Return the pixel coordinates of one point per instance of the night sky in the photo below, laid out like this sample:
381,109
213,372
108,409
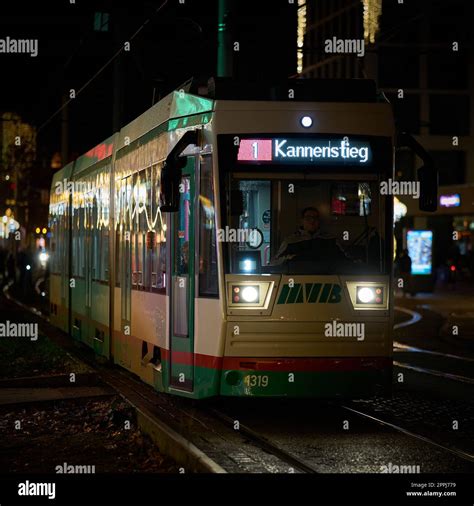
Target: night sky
175,44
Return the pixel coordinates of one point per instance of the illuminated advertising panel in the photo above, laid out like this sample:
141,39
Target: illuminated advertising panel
294,150
452,200
420,249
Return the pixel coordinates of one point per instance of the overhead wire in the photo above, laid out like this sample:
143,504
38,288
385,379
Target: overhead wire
102,68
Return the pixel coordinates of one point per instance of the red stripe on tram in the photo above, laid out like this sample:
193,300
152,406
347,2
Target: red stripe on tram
278,364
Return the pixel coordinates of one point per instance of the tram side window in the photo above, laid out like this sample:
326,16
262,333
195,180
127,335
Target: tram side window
74,233
119,225
62,262
157,237
145,225
118,256
135,232
53,225
104,254
82,240
78,242
207,232
61,246
95,235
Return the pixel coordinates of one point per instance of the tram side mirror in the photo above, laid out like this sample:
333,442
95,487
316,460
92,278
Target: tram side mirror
428,179
169,184
236,203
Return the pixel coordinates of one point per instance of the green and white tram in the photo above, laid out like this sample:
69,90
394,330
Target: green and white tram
235,244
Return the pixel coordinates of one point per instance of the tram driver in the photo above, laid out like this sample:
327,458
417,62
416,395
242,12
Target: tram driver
308,242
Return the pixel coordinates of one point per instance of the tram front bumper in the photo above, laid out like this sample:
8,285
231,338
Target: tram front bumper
323,377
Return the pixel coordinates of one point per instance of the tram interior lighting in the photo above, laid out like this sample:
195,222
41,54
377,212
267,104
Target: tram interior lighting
248,265
247,262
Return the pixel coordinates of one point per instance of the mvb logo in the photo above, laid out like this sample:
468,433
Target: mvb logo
311,293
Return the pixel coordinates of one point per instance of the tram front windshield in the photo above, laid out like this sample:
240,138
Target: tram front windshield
305,226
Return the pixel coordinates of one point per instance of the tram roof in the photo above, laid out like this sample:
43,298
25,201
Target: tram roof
188,100
304,90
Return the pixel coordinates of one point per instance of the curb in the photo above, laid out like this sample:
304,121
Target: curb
176,446
55,381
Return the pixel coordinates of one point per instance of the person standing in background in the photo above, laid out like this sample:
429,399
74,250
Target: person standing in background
404,268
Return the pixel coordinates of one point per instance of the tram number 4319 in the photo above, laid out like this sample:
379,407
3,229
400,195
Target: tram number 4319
252,380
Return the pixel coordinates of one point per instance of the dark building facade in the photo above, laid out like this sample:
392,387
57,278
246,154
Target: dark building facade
420,54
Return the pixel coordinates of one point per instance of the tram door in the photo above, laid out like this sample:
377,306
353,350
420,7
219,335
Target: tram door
182,286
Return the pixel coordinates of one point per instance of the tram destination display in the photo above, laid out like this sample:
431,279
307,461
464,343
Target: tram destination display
295,150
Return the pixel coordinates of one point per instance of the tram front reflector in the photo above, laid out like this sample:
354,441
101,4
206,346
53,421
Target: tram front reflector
250,294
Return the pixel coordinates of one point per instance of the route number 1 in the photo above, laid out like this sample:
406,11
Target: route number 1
255,150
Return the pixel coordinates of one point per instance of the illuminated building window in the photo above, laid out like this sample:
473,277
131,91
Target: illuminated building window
101,22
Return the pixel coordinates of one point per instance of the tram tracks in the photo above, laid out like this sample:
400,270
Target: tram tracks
455,451
214,432
267,445
185,427
198,416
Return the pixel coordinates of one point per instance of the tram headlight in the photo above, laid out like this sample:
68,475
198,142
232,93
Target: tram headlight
250,294
365,295
242,294
43,256
369,295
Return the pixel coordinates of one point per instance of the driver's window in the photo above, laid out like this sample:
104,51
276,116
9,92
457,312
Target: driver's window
253,213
